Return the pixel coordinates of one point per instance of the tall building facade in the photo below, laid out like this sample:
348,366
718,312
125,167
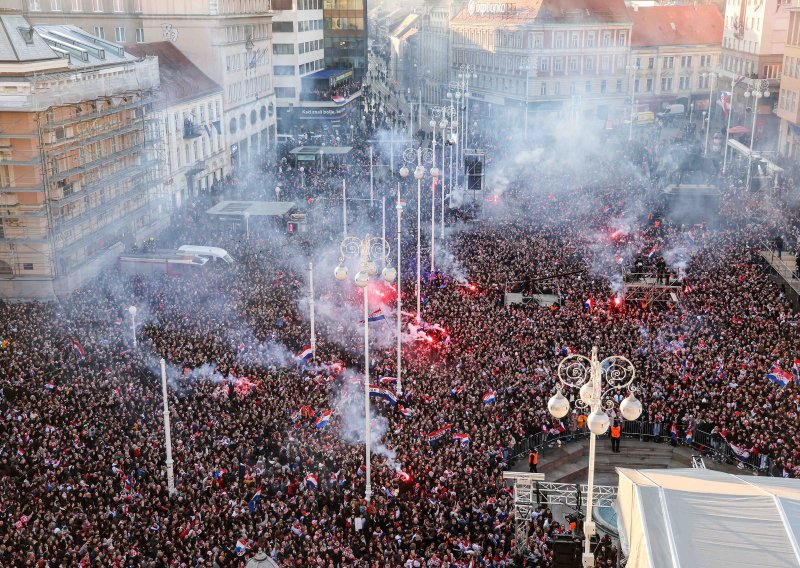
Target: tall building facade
675,50
346,35
231,42
754,36
540,55
433,67
789,95
77,166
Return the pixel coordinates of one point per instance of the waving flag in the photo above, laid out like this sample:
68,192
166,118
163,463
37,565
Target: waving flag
305,355
740,452
323,419
388,380
377,315
587,305
457,390
338,99
725,101
489,398
796,370
689,436
462,439
407,412
690,236
652,252
779,376
311,481
251,505
241,547
383,393
437,434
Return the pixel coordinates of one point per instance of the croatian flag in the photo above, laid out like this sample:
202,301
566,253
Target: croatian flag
251,505
462,439
436,434
383,393
407,412
740,452
305,355
241,547
311,481
587,305
457,391
690,236
689,436
388,380
796,370
50,386
725,100
779,376
78,348
323,419
338,99
377,315
652,252
489,398
673,432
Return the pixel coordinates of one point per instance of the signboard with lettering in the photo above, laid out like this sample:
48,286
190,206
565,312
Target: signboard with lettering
482,8
322,113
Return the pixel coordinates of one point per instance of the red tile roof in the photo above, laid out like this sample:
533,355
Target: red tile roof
548,11
180,78
676,25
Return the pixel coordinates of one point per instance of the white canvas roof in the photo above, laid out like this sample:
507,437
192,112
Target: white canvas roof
688,518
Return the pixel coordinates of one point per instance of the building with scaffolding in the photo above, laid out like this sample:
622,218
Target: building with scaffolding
77,170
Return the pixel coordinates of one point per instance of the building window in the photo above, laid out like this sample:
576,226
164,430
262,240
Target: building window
622,40
669,62
34,6
27,266
118,6
651,62
544,64
97,6
283,49
139,35
649,86
588,87
575,41
684,83
589,63
619,85
606,39
119,34
284,70
603,87
543,89
538,41
666,84
605,62
558,64
100,32
686,61
55,5
636,86
285,92
590,39
559,41
573,63
77,5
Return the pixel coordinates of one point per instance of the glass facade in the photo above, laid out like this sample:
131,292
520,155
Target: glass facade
346,35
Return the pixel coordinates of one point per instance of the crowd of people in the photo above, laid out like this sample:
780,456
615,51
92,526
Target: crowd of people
268,447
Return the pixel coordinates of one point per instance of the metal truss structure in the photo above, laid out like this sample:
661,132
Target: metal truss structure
531,491
645,288
698,463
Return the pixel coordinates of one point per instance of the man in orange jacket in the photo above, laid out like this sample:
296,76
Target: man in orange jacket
616,434
533,461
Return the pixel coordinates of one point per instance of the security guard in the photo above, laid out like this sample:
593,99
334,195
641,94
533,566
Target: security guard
533,461
616,433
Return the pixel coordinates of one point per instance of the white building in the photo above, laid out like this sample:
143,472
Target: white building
189,103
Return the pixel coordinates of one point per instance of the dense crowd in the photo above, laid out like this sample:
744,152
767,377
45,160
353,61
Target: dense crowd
257,467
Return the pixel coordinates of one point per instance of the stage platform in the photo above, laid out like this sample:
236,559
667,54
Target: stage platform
783,269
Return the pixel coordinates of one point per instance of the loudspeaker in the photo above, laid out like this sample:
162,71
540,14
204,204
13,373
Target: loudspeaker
473,166
566,552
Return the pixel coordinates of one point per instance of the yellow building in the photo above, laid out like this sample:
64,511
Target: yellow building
76,174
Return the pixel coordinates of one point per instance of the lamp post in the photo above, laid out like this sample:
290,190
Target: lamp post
399,207
167,433
758,90
247,224
597,382
368,250
311,310
467,73
632,69
303,178
132,310
712,79
423,157
526,67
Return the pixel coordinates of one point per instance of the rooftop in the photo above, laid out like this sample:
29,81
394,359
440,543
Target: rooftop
531,11
676,25
19,42
181,80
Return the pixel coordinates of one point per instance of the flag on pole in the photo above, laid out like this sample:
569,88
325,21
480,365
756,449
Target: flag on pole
311,481
489,398
740,451
407,412
462,439
251,505
652,252
725,101
241,547
796,370
437,434
305,355
388,381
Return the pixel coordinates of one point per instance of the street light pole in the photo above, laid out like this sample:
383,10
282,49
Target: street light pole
167,433
756,92
399,207
132,310
371,179
344,205
727,130
711,81
588,375
311,309
368,250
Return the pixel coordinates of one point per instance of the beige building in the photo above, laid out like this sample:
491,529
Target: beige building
674,50
534,57
229,40
789,100
77,166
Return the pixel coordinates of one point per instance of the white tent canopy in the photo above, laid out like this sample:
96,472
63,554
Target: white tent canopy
690,518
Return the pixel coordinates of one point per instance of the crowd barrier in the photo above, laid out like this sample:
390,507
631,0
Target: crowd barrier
711,446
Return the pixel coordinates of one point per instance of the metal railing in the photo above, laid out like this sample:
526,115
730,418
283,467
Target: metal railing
711,446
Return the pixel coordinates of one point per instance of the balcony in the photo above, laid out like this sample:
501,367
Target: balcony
190,129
